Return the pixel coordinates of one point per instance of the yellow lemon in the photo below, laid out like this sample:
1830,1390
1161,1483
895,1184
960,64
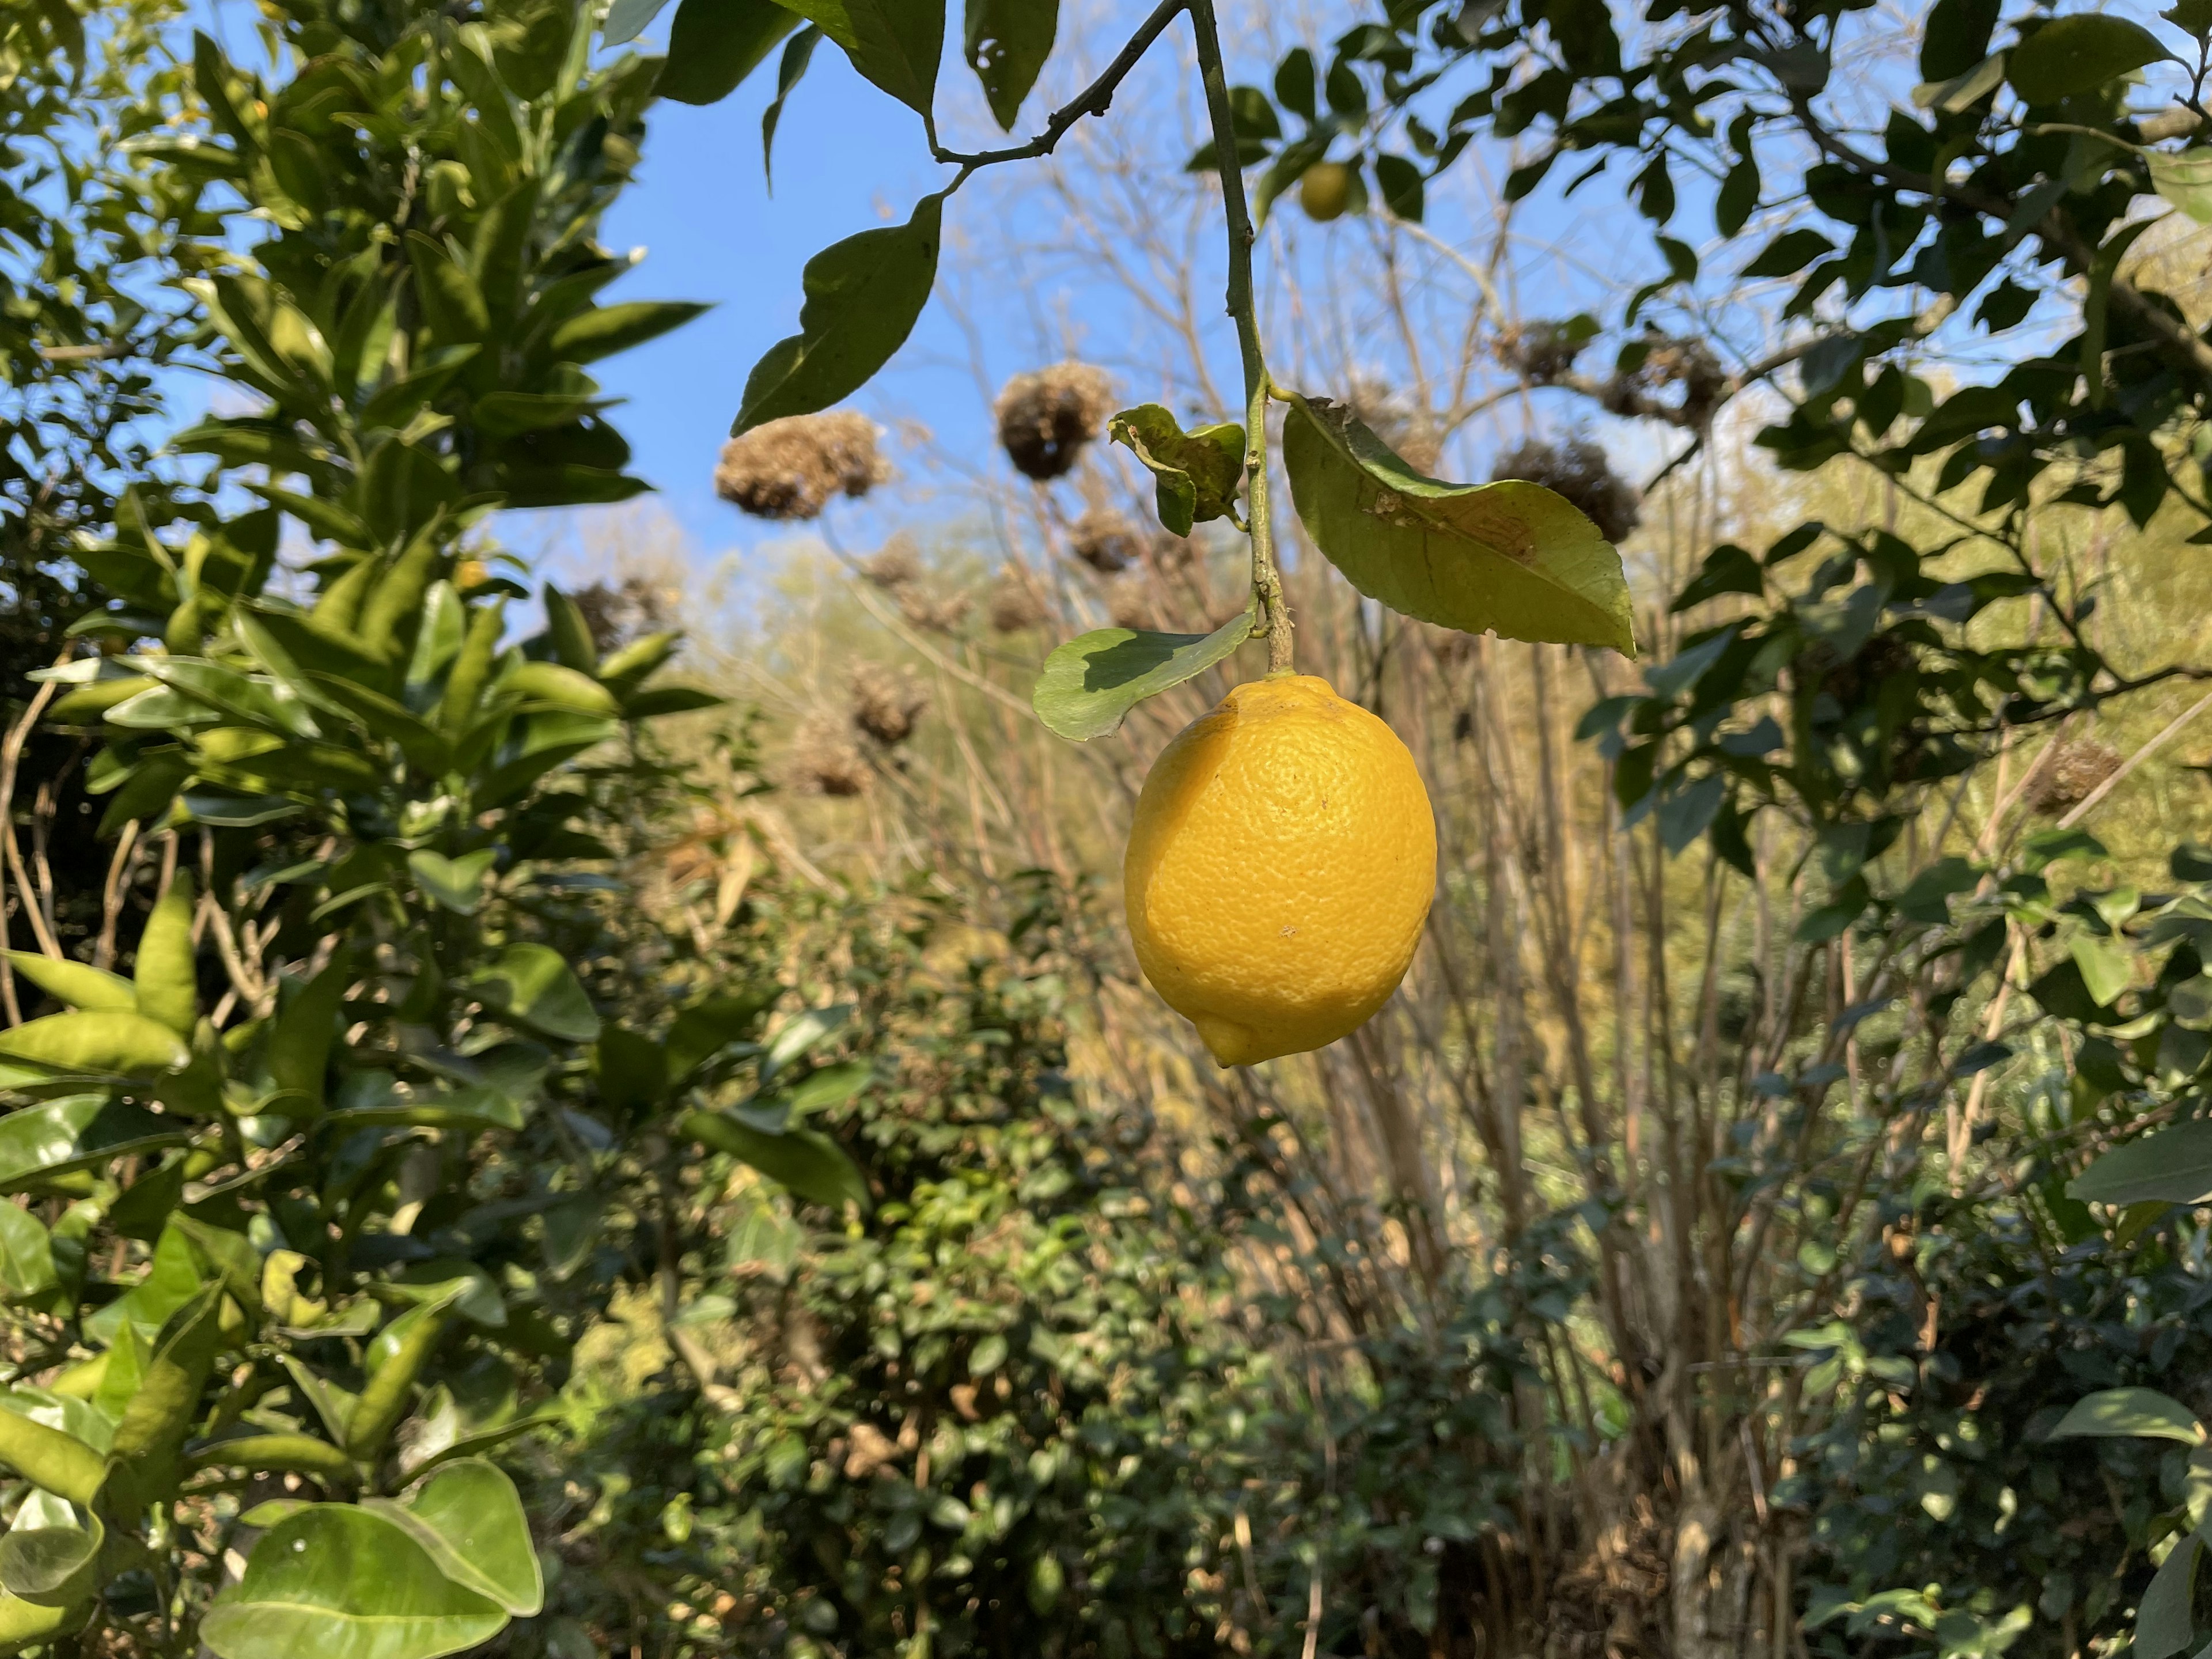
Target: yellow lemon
1280,864
1325,191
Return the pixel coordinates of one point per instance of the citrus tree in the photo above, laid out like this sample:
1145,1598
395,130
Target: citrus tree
370,1088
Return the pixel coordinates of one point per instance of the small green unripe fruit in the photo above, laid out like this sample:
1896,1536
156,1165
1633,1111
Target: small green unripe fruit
1324,191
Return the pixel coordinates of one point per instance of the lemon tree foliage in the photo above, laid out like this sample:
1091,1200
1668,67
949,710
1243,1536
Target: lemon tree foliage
309,1194
864,296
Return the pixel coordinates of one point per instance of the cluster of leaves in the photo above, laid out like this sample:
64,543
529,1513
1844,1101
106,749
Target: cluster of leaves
87,234
309,1208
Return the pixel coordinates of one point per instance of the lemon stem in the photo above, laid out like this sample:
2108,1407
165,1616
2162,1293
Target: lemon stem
1266,581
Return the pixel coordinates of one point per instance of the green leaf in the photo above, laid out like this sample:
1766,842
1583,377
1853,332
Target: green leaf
606,330
469,1518
1403,190
788,73
25,1624
455,884
2168,1166
801,1035
2079,53
1790,253
342,1582
627,19
167,980
1007,44
26,1254
533,985
2105,964
300,1043
895,44
80,986
1512,557
863,296
716,44
110,1043
1195,474
2163,1624
173,1279
1091,684
48,1457
50,1556
807,1161
2137,1414
276,1454
2185,179
553,685
395,1359
144,1470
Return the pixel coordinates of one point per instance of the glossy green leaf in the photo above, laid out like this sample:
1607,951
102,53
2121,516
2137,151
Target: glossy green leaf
300,1042
51,1555
533,985
801,1035
77,1130
2142,1413
2185,179
2163,1624
809,1163
469,1518
150,1436
2079,53
798,53
552,685
713,45
2167,1166
895,44
627,19
342,1582
76,983
26,1624
455,884
1007,44
167,980
175,1275
49,1457
1089,685
1195,474
1511,558
276,1454
863,296
26,1254
395,1359
110,1043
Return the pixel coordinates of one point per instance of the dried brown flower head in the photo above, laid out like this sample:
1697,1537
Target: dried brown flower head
1129,602
825,761
887,706
1046,417
939,614
1016,604
789,469
1106,540
2071,774
895,565
1542,353
1578,470
1680,380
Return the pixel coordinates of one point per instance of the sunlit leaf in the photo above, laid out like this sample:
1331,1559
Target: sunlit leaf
2142,1413
337,1579
863,296
1195,474
1511,558
2170,1166
1091,684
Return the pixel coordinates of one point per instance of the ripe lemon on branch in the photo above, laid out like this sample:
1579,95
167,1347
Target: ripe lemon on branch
1280,864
